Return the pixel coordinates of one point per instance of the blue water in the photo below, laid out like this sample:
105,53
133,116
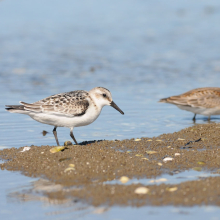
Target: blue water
140,50
21,198
176,178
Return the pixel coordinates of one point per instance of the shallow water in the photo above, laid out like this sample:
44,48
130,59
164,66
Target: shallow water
140,50
174,178
24,198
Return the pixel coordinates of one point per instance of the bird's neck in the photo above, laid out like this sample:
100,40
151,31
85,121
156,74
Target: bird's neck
94,102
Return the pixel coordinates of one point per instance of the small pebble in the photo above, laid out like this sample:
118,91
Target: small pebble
71,165
172,189
141,190
67,143
124,179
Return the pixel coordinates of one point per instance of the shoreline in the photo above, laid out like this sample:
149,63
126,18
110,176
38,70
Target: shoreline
87,172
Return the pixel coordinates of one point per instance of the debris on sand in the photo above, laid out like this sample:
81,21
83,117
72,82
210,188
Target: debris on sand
88,172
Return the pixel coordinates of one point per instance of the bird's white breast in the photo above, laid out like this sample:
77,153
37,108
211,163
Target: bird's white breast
201,110
59,120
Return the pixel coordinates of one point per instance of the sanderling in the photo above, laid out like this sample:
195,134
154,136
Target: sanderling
203,101
69,109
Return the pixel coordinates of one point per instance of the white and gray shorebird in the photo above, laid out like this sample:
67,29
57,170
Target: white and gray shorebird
203,101
69,109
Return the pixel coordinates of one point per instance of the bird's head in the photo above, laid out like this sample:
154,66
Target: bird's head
103,97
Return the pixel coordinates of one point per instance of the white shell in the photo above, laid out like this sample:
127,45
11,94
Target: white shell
141,190
25,149
167,159
124,179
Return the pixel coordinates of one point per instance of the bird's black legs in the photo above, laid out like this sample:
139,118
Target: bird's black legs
194,118
55,135
72,136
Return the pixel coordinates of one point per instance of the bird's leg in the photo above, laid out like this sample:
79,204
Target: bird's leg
72,136
55,135
194,118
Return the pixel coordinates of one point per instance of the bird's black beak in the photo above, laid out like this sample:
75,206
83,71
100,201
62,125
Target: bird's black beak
116,107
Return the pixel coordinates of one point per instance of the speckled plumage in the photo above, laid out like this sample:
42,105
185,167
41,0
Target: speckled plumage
73,103
69,109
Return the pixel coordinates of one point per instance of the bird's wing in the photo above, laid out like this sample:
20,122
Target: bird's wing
201,98
70,104
208,99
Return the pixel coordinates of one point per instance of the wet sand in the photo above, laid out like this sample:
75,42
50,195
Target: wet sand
83,173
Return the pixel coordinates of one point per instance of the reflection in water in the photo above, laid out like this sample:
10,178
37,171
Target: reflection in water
76,198
44,133
38,191
175,177
66,207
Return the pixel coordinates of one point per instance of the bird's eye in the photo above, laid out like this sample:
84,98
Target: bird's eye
104,95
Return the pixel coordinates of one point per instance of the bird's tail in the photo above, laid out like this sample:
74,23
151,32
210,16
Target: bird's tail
15,108
165,100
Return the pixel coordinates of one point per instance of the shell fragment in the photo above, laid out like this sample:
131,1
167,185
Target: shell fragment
138,139
141,190
25,149
69,169
124,179
151,152
57,149
167,159
172,189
